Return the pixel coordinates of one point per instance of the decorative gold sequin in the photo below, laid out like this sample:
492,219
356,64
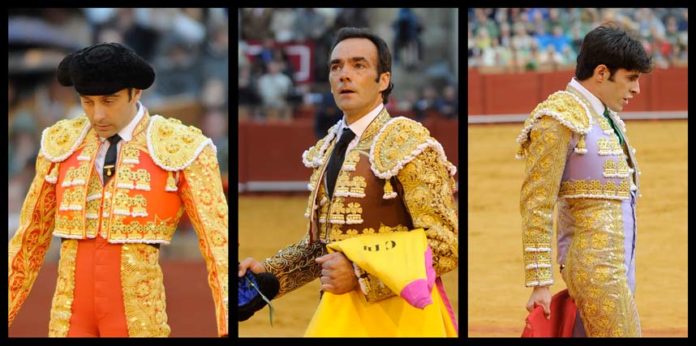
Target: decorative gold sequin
595,273
337,211
429,197
210,223
546,157
354,213
166,138
396,142
28,246
142,180
595,188
143,291
351,161
609,146
60,140
61,311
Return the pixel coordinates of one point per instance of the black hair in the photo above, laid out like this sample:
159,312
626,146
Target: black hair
384,60
612,46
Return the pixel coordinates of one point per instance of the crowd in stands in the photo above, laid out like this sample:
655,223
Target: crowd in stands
270,91
529,39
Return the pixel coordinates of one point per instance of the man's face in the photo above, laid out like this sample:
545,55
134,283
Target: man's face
617,93
108,114
353,76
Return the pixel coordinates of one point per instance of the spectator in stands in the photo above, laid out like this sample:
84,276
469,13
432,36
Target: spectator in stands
427,103
310,25
283,24
551,58
407,30
274,87
180,71
256,24
249,98
448,104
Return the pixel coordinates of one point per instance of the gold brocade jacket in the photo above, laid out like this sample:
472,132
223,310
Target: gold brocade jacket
166,167
397,178
573,158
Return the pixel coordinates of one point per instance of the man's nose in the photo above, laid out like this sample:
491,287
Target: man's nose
636,88
99,112
344,74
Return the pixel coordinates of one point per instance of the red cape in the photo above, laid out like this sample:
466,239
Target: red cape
561,324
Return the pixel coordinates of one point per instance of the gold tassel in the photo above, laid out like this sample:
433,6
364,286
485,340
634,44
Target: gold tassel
52,177
171,182
388,190
581,148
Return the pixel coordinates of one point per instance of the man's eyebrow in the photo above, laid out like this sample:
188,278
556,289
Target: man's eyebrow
353,59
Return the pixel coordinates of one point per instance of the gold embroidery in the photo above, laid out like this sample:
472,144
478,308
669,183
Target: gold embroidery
143,291
563,107
142,180
294,265
125,178
342,184
174,145
28,246
130,154
61,312
545,161
595,272
171,182
609,168
595,188
609,146
429,198
351,160
337,210
139,204
60,140
354,213
210,223
122,203
396,142
622,168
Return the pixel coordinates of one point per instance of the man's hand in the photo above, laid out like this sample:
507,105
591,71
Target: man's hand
337,274
250,263
540,296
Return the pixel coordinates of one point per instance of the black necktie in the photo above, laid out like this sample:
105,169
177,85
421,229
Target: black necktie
336,161
110,160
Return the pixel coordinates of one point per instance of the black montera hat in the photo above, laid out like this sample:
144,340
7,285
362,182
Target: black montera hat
104,69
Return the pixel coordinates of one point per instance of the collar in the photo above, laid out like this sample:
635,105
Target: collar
595,102
126,133
361,125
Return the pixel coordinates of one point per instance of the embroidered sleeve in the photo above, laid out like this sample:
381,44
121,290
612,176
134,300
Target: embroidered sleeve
545,161
206,206
429,196
294,266
28,246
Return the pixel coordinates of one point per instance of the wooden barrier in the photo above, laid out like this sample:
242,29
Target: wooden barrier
518,93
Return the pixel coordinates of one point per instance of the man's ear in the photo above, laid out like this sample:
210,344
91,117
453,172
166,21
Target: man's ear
601,72
384,80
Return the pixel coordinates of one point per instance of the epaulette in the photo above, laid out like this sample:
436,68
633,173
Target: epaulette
563,106
173,146
59,141
398,143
